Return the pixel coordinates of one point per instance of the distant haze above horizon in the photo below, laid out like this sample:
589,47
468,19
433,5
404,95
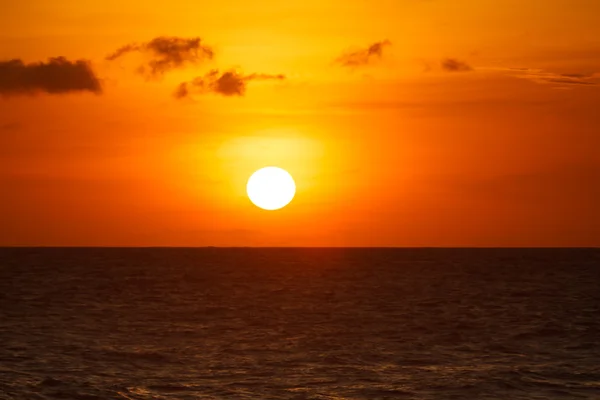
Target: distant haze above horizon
408,123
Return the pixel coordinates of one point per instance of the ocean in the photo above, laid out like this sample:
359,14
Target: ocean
299,323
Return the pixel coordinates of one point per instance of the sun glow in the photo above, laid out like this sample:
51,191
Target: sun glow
271,188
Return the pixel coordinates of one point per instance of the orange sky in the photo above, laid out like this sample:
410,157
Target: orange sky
477,125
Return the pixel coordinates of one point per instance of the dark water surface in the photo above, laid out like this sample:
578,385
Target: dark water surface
299,324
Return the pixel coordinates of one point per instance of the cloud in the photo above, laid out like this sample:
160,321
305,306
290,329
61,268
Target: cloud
56,76
10,126
454,65
363,56
536,75
166,53
228,83
546,77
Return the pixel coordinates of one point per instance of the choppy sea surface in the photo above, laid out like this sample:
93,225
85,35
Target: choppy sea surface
208,323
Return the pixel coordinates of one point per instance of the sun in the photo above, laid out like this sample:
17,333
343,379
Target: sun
271,188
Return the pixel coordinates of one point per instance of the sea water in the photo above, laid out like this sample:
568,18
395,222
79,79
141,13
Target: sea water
155,323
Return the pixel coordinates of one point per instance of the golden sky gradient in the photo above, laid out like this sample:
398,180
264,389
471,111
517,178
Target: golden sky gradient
403,122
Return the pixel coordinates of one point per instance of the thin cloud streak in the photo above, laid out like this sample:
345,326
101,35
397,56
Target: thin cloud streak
546,77
533,74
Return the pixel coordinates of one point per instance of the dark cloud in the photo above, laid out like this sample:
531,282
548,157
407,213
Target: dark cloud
547,77
10,126
166,53
228,83
56,76
363,56
454,65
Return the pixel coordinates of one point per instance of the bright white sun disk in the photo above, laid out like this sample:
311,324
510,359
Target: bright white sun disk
271,188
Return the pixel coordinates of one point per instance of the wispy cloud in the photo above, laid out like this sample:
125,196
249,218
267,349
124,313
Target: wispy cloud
228,83
363,56
537,75
547,77
56,76
166,53
454,65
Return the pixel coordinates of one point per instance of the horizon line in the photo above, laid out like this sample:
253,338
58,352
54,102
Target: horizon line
295,247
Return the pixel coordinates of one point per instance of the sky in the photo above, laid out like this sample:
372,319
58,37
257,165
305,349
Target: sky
403,122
